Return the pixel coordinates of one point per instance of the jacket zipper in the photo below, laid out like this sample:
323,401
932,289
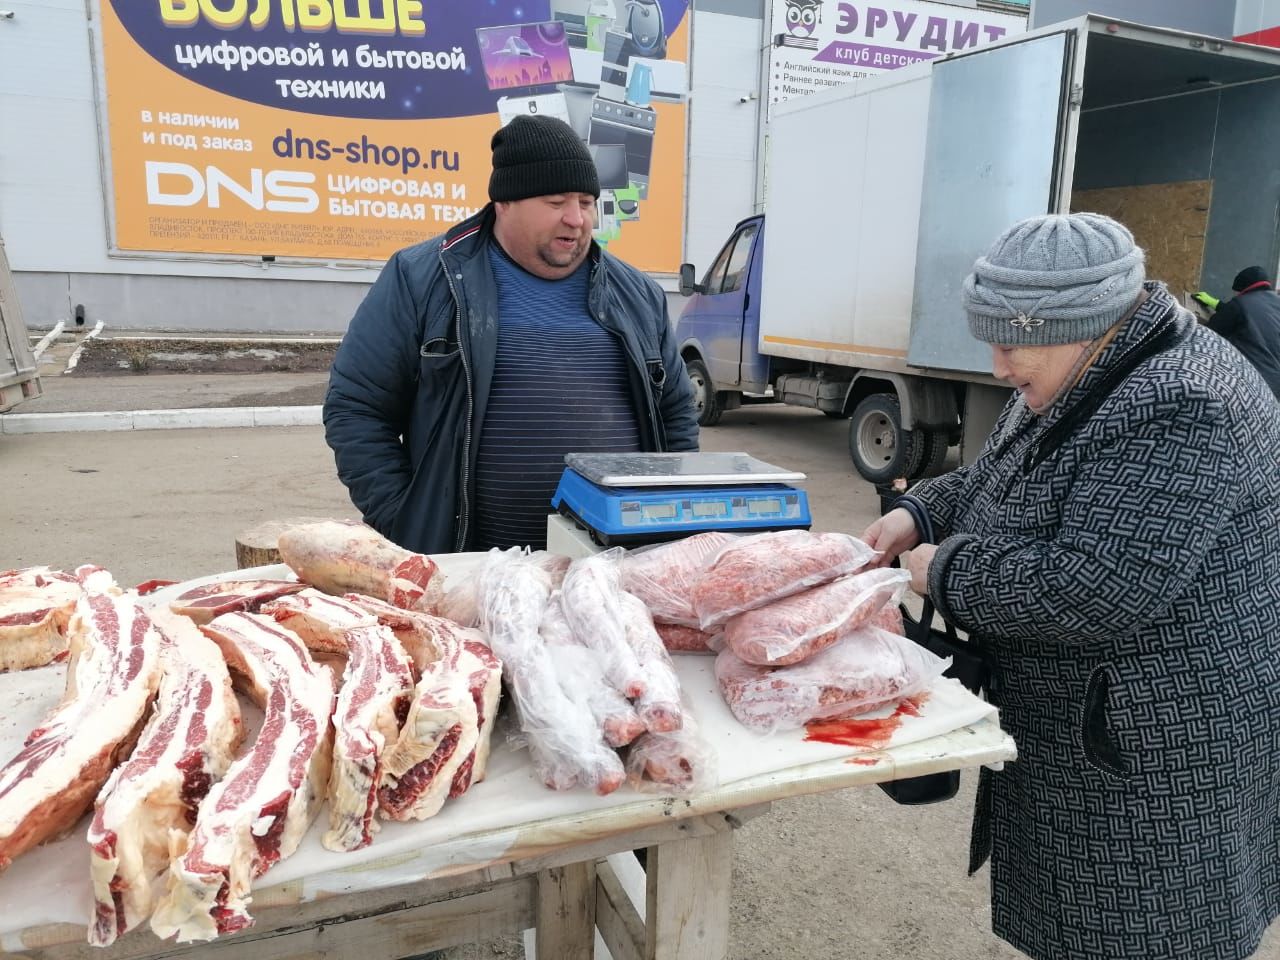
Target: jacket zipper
637,364
464,517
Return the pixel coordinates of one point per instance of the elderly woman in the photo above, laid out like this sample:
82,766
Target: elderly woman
1115,552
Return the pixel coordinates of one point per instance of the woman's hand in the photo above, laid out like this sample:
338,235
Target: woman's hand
891,534
917,564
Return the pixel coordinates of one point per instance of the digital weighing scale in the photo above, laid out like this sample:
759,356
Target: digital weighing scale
635,498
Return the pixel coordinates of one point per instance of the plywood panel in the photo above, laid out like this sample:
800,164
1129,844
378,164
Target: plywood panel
1168,220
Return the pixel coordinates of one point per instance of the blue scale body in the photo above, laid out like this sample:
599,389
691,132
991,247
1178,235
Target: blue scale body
630,515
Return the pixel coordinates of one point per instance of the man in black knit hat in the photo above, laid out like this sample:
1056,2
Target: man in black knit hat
1250,322
480,358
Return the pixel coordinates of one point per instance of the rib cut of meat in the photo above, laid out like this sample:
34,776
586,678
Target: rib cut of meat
373,702
54,777
430,639
440,733
210,600
343,557
257,814
185,747
36,604
319,620
425,636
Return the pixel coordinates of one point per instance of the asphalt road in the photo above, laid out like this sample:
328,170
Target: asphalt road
840,875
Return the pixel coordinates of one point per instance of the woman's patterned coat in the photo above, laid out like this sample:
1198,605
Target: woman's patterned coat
1119,561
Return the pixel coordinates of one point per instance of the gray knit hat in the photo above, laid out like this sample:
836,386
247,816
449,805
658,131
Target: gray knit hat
1054,279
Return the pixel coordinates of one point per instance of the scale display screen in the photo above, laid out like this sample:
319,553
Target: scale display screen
764,506
659,511
717,508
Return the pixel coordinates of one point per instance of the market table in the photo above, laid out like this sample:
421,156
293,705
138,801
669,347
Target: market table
511,854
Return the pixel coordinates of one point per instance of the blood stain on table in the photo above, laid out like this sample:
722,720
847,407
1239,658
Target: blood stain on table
873,732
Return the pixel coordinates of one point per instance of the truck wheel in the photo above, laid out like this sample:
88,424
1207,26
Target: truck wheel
881,450
934,448
708,402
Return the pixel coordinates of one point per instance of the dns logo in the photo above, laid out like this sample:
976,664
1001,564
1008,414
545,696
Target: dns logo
182,185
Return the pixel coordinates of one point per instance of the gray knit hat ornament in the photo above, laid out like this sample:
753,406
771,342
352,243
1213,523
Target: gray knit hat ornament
1054,279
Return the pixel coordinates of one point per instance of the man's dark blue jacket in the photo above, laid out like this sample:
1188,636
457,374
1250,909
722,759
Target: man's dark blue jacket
410,382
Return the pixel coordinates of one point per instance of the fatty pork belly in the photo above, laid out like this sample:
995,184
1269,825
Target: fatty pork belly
426,639
372,704
207,601
36,605
341,556
152,799
258,813
112,676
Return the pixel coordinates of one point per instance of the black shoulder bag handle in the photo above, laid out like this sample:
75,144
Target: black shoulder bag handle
967,666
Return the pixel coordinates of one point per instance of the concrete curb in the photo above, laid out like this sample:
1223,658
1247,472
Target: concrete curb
194,418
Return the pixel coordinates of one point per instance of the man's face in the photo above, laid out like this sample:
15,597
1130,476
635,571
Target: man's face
548,236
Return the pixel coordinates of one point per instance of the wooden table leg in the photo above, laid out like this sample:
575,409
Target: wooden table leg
566,912
687,905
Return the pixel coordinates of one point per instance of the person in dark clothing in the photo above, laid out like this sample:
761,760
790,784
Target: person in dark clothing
1114,552
480,358
1250,322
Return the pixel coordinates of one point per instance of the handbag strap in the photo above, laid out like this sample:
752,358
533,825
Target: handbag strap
925,624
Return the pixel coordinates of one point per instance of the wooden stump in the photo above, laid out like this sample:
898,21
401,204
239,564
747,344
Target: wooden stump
257,546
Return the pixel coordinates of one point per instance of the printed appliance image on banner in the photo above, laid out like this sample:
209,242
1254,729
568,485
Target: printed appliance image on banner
348,129
824,43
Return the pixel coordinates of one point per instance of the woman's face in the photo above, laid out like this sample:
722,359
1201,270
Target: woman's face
1038,373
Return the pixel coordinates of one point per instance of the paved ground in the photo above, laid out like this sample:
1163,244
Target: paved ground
837,876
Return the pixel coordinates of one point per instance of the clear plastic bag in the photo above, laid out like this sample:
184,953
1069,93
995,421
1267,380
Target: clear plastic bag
795,628
681,761
867,669
659,705
582,679
564,740
680,639
769,566
589,595
663,576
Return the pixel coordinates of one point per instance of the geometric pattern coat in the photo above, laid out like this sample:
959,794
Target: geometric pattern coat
1118,561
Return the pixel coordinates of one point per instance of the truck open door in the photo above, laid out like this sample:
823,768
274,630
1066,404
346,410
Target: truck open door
997,122
18,379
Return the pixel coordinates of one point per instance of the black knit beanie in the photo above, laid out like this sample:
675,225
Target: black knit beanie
1247,277
538,156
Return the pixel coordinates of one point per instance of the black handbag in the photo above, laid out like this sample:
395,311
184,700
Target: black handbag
967,666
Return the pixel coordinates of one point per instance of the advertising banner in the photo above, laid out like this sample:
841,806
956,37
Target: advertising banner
347,129
825,43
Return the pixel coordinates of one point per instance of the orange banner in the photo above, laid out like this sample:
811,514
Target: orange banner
347,129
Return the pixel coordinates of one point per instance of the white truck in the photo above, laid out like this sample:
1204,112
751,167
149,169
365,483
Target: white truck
882,193
18,377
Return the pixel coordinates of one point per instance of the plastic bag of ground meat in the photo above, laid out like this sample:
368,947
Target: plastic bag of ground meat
795,628
678,762
663,576
867,669
889,618
681,639
769,566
